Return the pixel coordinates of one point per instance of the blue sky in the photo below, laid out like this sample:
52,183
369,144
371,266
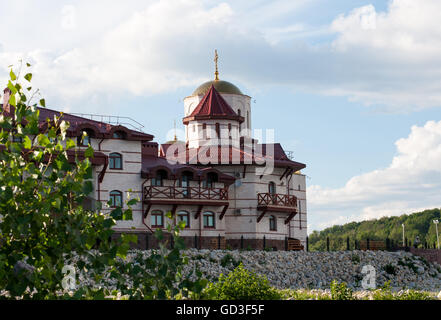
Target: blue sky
352,87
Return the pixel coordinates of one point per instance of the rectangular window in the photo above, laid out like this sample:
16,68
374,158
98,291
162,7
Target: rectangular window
156,220
184,217
209,220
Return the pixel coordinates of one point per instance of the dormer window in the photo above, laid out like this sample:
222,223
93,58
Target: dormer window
118,135
158,181
84,140
212,178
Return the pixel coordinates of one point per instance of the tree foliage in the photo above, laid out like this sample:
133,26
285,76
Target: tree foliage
416,224
43,223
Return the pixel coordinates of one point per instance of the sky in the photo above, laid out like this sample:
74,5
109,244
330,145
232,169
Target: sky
352,87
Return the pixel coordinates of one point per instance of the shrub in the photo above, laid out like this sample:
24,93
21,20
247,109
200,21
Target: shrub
241,284
385,293
355,259
390,269
229,260
340,291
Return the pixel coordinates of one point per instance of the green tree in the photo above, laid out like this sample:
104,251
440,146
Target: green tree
417,224
43,224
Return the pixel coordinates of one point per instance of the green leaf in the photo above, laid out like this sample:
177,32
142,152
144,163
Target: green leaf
12,75
89,152
70,144
43,140
116,213
27,143
28,77
12,87
132,202
43,102
12,101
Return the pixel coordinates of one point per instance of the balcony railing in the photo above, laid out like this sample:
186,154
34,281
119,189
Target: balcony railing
193,193
283,200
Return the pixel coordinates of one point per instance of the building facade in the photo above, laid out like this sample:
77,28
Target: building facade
230,189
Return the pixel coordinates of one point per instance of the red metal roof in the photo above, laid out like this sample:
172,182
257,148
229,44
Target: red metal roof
79,124
100,129
231,155
213,106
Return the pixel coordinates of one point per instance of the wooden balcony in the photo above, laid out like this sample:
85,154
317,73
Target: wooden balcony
277,203
185,195
281,200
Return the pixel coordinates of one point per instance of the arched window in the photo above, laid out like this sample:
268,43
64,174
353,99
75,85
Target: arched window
115,198
157,219
209,220
211,179
272,223
184,216
158,181
118,135
272,188
115,161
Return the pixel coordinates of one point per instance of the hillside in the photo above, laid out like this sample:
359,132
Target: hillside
418,223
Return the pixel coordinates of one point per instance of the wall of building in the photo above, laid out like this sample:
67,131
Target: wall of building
129,178
196,137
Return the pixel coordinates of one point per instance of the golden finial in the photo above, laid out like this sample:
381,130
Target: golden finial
176,137
216,57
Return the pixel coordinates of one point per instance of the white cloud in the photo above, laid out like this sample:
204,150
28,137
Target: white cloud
410,183
68,17
388,59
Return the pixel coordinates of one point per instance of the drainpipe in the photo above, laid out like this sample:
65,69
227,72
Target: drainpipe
200,230
288,182
98,180
142,207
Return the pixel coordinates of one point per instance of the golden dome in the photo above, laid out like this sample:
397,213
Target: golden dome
220,85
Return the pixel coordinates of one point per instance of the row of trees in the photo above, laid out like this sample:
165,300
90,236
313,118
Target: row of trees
416,224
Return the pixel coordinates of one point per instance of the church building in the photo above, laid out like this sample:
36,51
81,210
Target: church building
230,188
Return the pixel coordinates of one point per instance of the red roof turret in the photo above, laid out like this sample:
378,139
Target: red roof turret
213,106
